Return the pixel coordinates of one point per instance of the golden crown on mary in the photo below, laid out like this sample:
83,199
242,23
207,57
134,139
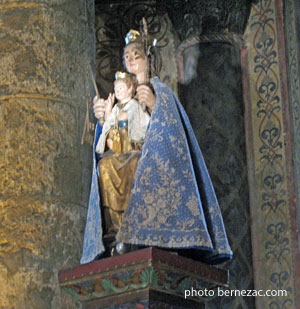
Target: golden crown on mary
132,36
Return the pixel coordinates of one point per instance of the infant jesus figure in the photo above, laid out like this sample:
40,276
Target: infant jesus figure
119,146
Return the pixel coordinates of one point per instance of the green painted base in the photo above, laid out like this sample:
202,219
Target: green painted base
144,299
142,279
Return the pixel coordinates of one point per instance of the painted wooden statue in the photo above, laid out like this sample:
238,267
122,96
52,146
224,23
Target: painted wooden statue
172,203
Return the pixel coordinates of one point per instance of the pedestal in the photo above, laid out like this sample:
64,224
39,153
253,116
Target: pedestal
142,279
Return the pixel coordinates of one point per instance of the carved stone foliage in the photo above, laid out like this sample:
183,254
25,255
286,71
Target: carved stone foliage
191,18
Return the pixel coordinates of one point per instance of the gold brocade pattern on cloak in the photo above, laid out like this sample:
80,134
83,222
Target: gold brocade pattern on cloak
172,202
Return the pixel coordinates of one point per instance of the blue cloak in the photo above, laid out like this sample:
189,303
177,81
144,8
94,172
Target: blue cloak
172,203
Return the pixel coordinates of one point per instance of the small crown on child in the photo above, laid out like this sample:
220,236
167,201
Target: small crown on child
120,74
132,36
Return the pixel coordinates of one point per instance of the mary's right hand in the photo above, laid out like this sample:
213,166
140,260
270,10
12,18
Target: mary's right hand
102,108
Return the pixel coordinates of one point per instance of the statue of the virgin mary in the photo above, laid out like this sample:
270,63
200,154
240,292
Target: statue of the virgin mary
172,202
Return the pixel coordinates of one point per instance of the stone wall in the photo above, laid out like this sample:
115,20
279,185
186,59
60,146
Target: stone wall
45,172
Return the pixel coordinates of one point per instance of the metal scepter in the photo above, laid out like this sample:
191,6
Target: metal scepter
145,41
101,119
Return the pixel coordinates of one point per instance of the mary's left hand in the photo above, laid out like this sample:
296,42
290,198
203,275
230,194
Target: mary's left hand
145,94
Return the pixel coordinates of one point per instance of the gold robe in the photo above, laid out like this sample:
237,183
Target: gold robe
117,166
116,174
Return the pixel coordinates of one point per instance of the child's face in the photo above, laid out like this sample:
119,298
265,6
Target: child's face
122,92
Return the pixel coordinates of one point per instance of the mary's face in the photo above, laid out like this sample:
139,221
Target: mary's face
135,59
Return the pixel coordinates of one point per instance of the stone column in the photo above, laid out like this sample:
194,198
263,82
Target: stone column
45,47
292,41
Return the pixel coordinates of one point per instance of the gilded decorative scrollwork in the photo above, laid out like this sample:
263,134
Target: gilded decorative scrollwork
113,21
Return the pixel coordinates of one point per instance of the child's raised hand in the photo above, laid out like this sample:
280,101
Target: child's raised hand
109,103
